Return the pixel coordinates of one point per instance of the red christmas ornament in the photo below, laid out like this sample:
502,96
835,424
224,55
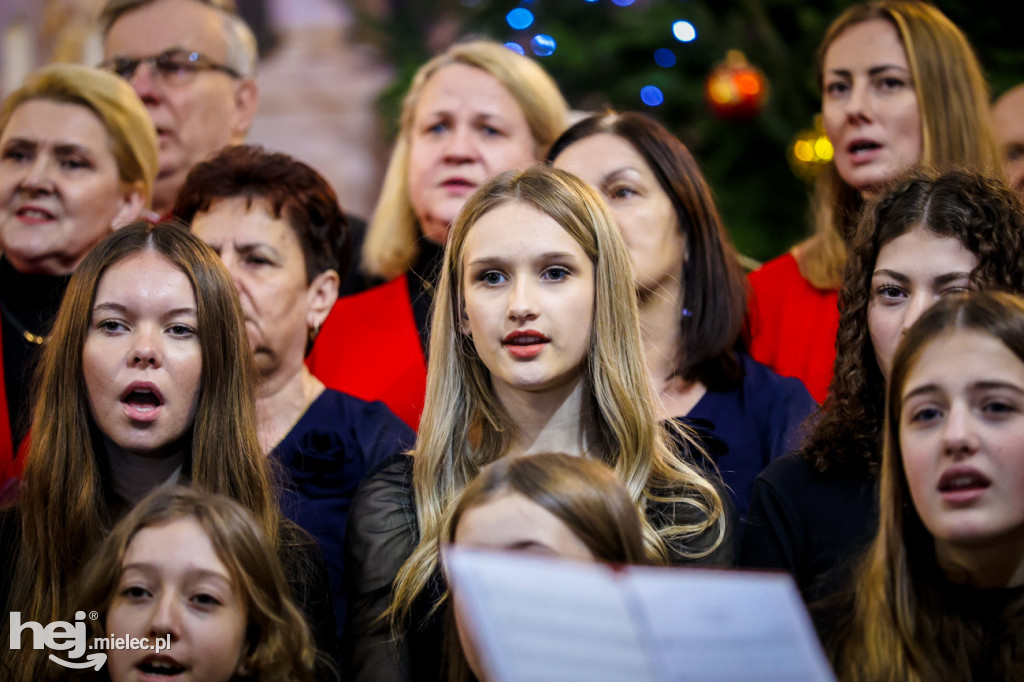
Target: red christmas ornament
735,89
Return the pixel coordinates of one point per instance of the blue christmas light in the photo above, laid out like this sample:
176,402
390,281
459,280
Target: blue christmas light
515,47
664,57
651,95
543,45
684,31
519,18
623,3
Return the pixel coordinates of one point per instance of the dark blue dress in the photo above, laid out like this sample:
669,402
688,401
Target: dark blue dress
323,459
750,426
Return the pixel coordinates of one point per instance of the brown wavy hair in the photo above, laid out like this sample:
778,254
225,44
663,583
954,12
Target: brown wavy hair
980,211
903,626
291,188
65,503
714,286
953,101
278,644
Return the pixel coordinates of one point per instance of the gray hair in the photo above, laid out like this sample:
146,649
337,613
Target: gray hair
242,51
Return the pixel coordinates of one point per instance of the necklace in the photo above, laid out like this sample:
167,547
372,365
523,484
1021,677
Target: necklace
34,339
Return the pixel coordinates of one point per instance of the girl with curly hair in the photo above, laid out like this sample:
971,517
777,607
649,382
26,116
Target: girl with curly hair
933,235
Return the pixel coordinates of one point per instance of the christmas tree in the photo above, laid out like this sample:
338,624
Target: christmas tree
657,56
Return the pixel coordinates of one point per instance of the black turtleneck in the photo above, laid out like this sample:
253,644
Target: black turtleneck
26,302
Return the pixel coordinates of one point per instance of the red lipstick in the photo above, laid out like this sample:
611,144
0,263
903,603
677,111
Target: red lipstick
525,343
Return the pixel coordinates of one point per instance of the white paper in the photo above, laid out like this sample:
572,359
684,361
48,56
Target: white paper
726,626
539,619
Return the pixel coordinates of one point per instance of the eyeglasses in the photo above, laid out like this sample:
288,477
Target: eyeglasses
174,67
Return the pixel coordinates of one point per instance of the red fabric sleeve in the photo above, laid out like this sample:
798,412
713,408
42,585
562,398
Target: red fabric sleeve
6,446
793,324
369,347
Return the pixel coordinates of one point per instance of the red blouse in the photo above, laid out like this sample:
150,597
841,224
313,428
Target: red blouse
370,347
793,324
6,446
10,466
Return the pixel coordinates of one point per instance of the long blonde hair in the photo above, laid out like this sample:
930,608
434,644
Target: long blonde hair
390,245
464,426
902,627
953,101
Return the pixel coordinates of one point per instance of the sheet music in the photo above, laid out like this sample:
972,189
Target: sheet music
539,619
726,626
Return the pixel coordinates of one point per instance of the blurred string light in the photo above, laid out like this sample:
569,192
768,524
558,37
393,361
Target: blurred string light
543,45
519,18
515,47
684,31
651,95
810,151
623,3
664,57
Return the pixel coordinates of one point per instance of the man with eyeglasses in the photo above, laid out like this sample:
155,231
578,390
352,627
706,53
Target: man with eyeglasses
192,64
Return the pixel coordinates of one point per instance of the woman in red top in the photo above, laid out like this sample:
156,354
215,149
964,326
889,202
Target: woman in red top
472,112
901,87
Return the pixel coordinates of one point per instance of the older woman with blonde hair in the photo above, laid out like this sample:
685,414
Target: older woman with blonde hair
78,158
535,347
472,112
901,88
